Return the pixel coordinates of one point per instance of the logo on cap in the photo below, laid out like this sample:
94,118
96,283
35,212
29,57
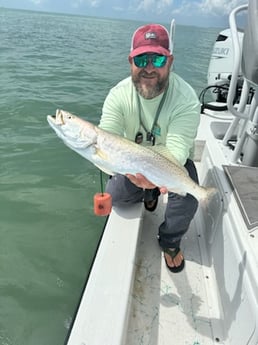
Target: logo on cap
150,35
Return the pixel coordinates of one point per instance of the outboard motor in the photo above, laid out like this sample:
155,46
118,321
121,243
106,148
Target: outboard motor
220,67
220,72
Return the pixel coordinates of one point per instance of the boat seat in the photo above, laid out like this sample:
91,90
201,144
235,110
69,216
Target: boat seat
249,61
244,181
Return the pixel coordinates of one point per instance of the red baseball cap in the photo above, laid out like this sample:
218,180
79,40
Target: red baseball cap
151,38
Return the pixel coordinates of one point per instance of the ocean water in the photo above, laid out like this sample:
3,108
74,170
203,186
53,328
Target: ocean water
48,232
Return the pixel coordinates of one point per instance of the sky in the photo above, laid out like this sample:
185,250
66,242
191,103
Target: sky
205,13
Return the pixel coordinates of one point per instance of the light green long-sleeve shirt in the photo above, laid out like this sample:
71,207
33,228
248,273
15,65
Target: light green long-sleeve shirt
178,119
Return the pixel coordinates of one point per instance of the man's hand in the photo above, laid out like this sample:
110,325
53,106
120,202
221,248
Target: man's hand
140,181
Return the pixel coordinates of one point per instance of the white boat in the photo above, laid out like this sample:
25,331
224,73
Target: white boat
131,298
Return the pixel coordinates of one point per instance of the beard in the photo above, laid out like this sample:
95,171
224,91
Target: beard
149,91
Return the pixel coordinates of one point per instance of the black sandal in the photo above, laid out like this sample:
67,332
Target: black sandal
151,205
151,198
173,253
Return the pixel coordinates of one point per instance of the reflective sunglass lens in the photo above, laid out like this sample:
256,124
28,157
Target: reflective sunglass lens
157,61
140,61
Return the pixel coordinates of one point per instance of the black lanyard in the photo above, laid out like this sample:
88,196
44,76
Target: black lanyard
155,130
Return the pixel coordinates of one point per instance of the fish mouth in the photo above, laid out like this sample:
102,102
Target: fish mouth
56,119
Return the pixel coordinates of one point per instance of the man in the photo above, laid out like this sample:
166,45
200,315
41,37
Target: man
155,107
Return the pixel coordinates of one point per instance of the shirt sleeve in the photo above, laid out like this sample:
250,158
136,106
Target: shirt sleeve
120,112
182,131
112,119
181,119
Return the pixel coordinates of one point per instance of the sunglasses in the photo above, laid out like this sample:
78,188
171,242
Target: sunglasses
157,60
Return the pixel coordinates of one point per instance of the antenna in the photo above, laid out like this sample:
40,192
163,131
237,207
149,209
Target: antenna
172,35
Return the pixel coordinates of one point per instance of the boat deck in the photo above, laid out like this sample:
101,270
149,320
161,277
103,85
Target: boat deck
171,308
201,305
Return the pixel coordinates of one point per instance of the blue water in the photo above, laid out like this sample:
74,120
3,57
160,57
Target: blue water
48,232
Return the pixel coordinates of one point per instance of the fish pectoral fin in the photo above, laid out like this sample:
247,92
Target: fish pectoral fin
101,154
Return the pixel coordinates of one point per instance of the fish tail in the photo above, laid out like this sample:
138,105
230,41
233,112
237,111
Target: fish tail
207,194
